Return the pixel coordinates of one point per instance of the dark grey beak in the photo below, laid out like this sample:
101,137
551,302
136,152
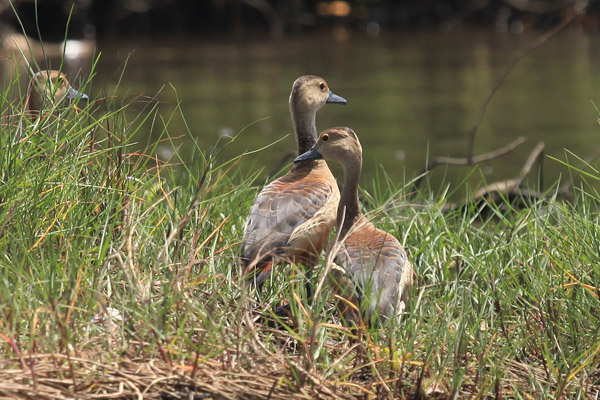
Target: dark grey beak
334,98
72,94
312,154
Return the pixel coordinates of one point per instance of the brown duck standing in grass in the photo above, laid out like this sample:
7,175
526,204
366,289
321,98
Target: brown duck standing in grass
48,88
292,217
374,260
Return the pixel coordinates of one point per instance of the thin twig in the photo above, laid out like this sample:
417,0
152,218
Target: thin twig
535,155
482,157
510,186
472,160
537,43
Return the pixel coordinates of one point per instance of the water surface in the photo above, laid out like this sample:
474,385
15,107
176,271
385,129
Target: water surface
410,96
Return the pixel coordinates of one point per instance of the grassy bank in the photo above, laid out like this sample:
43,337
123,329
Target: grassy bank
118,279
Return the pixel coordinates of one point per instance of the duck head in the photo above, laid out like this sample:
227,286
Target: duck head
311,92
50,87
335,144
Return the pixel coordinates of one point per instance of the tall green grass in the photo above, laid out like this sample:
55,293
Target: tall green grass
89,222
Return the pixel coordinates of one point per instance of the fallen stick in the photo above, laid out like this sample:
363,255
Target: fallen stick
498,192
470,160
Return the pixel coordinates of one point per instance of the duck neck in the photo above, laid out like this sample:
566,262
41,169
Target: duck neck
348,209
305,128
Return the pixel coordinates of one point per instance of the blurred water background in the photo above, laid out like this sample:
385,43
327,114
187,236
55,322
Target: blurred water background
413,93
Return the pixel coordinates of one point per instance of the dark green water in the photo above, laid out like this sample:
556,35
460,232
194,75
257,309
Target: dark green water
410,96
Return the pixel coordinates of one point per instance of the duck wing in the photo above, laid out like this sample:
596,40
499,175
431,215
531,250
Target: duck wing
280,208
379,268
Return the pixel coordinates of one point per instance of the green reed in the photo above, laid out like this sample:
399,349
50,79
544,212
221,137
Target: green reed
505,305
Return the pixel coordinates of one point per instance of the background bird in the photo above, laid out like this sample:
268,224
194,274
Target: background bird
47,89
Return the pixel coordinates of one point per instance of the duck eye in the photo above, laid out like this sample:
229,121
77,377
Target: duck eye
325,137
322,85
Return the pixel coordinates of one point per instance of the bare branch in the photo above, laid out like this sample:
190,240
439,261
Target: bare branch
470,161
540,41
535,155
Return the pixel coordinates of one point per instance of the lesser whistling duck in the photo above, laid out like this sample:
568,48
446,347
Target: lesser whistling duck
374,260
292,217
48,88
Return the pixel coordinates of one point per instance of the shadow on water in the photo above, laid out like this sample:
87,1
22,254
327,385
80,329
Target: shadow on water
410,96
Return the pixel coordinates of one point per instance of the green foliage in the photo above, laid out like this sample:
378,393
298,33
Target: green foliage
88,224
